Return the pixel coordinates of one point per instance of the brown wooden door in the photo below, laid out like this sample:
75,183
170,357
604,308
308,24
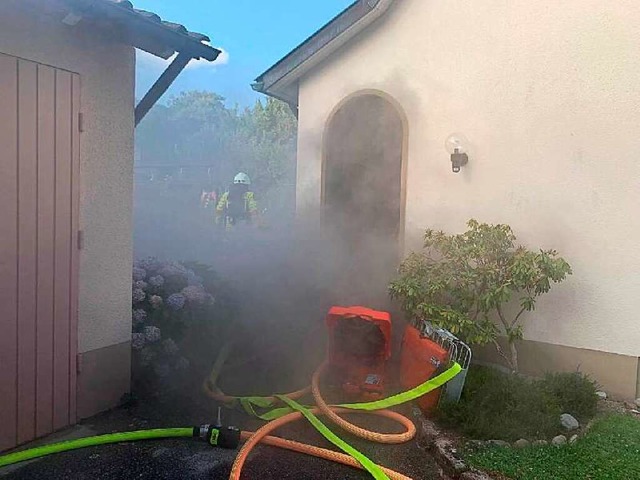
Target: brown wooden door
39,158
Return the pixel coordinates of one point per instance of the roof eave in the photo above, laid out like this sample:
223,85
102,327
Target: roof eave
282,79
144,33
289,94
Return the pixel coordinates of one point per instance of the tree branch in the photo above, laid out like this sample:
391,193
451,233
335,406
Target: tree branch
502,318
475,315
502,354
515,321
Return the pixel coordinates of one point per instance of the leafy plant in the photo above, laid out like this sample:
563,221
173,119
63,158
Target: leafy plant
499,406
576,393
464,283
167,299
495,405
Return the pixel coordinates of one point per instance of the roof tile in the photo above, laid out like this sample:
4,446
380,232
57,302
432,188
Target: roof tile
176,27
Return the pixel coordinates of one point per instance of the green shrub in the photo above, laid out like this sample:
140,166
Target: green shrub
575,392
502,406
495,405
465,282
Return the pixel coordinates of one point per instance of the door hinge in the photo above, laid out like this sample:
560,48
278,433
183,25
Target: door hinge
80,239
80,122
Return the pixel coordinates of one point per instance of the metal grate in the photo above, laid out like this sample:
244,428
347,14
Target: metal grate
458,352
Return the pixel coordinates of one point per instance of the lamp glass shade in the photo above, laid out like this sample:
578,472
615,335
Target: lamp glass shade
456,143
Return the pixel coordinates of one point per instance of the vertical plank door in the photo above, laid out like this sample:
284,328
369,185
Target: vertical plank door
39,208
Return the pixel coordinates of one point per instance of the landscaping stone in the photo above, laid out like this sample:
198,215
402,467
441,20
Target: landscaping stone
474,475
638,402
522,443
476,444
602,395
569,422
498,443
447,456
559,441
573,439
428,433
450,465
442,475
540,443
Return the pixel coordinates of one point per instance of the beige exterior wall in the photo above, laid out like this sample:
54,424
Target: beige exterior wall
547,95
106,155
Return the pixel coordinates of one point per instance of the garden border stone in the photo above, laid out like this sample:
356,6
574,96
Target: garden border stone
450,463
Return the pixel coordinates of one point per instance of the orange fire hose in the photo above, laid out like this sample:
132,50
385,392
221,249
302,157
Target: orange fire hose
221,397
262,434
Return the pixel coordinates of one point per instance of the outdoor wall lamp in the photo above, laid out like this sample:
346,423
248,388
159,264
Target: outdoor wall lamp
456,145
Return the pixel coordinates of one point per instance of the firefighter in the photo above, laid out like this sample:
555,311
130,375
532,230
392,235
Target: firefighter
208,199
209,204
238,204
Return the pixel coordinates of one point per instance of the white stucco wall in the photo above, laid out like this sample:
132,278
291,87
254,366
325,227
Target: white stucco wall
106,155
547,93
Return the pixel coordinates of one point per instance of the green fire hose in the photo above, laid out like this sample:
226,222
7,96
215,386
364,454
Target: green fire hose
92,441
228,437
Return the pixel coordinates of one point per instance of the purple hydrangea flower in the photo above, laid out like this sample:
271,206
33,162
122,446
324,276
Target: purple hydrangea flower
146,356
150,264
156,281
138,295
140,284
156,301
193,279
163,370
138,341
195,294
169,347
176,301
182,363
139,274
152,334
139,316
172,269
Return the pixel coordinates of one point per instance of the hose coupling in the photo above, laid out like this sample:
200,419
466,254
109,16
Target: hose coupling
218,436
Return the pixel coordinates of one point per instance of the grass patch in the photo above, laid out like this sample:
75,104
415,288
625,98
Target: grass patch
495,405
610,451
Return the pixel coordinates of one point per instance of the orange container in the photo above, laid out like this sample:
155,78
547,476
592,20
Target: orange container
359,347
381,319
421,358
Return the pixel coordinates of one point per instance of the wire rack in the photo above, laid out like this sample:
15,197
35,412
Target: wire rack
458,352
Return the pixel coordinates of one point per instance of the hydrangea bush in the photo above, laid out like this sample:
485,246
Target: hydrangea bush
167,299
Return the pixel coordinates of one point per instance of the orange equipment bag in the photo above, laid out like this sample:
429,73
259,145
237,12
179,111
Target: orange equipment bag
421,359
359,348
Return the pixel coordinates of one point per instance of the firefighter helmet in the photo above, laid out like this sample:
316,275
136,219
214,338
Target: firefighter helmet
242,178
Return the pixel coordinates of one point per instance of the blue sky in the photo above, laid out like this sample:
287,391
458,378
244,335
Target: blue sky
254,34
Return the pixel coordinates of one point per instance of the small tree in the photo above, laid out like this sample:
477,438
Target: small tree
464,282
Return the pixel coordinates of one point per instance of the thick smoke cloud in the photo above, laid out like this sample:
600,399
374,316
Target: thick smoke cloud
286,276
